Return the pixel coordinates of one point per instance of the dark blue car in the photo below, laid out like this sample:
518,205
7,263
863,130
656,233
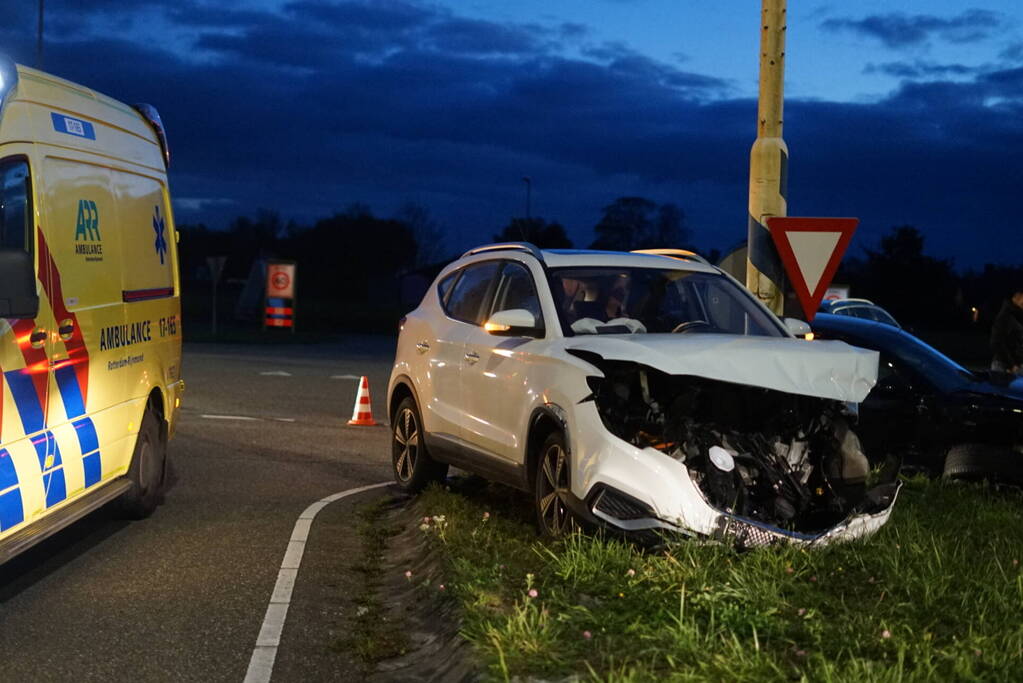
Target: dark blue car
930,411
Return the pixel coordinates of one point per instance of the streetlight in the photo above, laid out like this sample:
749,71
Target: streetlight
529,191
39,39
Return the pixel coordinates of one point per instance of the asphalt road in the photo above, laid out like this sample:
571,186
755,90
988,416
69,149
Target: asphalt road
182,595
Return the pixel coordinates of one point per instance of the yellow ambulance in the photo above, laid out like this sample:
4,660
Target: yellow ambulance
90,331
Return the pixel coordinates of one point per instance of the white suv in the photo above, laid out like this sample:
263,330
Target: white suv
633,391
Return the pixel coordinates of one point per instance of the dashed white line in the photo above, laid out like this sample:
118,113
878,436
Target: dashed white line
346,376
244,418
247,418
261,664
276,373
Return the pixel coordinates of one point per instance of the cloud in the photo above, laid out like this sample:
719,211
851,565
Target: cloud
474,36
1012,53
898,30
197,204
920,69
312,106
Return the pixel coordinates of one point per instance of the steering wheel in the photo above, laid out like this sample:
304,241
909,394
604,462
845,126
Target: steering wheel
690,325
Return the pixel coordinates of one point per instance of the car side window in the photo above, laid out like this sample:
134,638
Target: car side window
445,286
468,299
517,290
15,205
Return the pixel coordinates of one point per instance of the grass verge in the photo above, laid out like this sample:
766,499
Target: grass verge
937,594
373,634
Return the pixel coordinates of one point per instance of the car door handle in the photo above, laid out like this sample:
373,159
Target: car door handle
37,338
472,357
422,347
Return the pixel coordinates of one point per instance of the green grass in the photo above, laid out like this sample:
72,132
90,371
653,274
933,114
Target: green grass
937,594
373,634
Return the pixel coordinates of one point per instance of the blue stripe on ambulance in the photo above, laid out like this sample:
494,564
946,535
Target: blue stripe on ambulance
74,406
89,442
53,476
27,400
12,512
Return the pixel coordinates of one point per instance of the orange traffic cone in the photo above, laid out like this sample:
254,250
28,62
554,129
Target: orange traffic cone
362,416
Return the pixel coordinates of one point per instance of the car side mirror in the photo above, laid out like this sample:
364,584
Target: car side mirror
18,297
514,322
798,328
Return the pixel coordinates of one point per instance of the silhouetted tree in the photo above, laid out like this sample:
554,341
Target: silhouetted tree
536,231
638,223
427,233
914,287
348,255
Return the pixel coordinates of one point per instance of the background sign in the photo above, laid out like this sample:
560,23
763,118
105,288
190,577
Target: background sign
280,280
836,292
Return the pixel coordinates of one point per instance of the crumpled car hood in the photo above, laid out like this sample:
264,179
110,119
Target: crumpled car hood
824,369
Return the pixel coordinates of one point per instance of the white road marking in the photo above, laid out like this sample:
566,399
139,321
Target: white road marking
230,417
261,664
276,373
346,377
247,418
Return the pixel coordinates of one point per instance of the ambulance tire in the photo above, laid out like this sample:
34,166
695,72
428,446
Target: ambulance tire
147,470
411,463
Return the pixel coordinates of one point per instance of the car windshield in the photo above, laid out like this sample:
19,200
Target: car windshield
608,300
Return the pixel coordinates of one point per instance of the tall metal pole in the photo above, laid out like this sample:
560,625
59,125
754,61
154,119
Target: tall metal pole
39,39
529,195
769,161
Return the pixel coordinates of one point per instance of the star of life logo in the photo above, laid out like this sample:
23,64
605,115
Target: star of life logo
161,240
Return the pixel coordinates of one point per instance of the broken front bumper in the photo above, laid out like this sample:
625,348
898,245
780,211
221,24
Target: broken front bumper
632,489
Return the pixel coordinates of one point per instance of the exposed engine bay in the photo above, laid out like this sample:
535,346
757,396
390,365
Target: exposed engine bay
782,459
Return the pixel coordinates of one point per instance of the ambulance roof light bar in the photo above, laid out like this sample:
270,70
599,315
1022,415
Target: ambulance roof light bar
152,117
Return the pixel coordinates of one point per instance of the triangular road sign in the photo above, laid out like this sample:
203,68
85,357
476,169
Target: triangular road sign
811,249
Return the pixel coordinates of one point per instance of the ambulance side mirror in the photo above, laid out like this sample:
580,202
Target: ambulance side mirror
18,297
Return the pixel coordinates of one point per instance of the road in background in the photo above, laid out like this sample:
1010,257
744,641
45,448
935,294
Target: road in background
181,596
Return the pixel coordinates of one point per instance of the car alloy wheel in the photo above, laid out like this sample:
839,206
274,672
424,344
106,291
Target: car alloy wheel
406,440
552,487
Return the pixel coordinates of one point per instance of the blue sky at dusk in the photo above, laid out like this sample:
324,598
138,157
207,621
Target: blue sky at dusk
897,112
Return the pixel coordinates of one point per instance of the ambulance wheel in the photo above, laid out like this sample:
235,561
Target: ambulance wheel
414,469
146,472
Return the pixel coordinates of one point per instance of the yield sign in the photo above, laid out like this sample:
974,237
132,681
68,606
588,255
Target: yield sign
811,249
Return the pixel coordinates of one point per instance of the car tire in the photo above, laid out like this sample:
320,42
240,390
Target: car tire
552,483
975,462
413,467
147,469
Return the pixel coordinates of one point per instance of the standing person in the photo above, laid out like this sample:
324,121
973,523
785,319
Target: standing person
1007,335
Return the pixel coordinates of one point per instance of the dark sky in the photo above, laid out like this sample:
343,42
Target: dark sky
897,112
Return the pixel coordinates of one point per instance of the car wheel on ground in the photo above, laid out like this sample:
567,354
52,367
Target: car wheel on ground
147,469
553,517
414,469
974,462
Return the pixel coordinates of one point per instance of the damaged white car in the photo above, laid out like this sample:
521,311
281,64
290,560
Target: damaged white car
635,392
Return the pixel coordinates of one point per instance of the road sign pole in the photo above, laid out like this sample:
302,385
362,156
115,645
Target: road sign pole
769,161
216,266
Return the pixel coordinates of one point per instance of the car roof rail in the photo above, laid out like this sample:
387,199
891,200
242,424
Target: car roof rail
507,246
680,254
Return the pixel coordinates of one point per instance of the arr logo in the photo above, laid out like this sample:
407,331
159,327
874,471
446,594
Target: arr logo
87,239
87,227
